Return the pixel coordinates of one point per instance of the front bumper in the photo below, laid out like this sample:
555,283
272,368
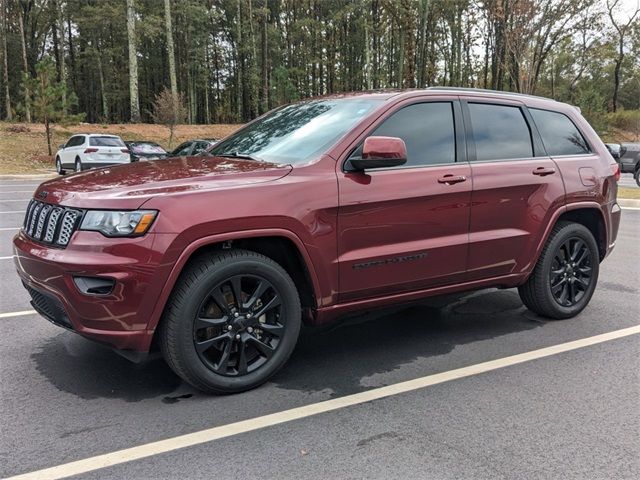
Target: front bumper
118,319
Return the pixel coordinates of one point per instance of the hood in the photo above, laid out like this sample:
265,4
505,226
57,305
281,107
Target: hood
129,186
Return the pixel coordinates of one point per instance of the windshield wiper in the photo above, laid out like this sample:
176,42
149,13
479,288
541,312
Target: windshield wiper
239,155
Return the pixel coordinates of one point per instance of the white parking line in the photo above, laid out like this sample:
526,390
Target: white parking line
224,431
14,211
17,314
630,208
9,228
7,258
15,200
17,191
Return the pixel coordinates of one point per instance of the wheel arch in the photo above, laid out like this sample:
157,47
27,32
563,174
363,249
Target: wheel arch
588,214
282,246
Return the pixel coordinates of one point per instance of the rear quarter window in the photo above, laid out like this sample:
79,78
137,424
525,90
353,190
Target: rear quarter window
559,134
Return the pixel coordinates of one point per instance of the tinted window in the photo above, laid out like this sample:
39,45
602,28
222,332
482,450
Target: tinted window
500,132
200,147
75,141
184,149
559,135
105,142
427,130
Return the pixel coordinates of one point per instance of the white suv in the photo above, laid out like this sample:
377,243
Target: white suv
85,151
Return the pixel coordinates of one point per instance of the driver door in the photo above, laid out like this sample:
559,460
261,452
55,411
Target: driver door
406,228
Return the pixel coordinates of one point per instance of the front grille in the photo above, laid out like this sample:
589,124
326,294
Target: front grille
49,307
51,224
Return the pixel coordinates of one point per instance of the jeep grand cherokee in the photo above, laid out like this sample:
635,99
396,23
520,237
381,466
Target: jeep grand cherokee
318,209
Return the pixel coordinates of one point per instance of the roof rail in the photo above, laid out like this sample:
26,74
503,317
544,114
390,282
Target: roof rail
486,90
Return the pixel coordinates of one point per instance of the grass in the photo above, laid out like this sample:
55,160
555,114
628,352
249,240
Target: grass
23,147
625,192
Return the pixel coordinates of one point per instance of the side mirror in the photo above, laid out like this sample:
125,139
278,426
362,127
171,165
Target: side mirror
380,152
61,146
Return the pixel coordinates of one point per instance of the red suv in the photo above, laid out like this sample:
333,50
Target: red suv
318,209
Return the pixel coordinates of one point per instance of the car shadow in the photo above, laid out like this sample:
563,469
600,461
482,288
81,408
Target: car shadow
334,359
340,358
88,370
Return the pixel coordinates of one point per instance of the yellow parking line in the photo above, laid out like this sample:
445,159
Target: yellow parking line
224,431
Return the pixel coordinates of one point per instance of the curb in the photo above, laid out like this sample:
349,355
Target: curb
36,176
629,203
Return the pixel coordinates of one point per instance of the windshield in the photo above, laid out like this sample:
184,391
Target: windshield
296,133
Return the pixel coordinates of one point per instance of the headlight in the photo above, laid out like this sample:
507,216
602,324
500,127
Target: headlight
118,224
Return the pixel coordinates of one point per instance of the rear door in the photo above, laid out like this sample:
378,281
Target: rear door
516,187
72,150
406,228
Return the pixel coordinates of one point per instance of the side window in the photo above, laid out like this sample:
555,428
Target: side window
559,134
200,147
428,131
74,141
500,132
183,149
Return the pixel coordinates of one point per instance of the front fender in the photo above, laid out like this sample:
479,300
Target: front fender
188,251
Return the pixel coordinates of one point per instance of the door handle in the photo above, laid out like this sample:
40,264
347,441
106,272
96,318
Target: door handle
451,179
543,171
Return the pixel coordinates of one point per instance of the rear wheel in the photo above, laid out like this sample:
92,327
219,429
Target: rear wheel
59,168
566,274
232,321
78,164
636,175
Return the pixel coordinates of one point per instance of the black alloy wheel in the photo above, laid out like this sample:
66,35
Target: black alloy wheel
566,273
238,326
571,272
232,321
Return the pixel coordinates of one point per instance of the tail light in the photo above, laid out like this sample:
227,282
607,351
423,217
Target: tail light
91,150
616,171
125,150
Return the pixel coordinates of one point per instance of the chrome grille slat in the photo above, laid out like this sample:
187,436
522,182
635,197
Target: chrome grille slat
50,224
41,218
34,218
67,227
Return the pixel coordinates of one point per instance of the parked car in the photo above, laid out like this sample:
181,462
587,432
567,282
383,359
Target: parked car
192,147
614,149
319,209
143,150
89,150
630,160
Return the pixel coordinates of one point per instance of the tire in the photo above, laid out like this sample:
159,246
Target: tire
204,341
59,168
79,167
636,176
550,288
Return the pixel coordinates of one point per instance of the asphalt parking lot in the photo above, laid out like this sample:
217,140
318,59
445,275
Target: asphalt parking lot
565,414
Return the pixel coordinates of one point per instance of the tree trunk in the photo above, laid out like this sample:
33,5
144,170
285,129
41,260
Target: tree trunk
25,65
616,73
170,53
103,96
63,68
133,63
5,66
265,65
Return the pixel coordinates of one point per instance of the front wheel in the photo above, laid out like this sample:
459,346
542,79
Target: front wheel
636,176
78,165
232,321
565,277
